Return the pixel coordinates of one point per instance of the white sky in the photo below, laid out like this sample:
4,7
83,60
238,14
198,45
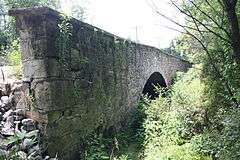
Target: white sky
122,17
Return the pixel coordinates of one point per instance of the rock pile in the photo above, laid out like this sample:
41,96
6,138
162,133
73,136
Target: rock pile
19,134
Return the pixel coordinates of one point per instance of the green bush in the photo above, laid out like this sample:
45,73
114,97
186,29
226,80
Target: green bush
121,145
14,54
186,125
13,57
172,121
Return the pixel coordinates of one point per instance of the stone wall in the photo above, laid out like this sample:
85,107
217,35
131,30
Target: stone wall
81,77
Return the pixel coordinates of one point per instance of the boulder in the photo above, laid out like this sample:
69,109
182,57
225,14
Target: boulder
7,114
26,144
21,155
28,124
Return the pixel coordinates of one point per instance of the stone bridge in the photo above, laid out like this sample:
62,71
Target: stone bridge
82,78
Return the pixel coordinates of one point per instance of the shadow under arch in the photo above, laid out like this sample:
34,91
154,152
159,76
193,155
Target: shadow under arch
156,79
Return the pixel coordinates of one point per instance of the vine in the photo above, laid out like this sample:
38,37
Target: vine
63,42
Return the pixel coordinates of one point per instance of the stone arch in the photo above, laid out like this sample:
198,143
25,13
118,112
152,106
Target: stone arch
155,79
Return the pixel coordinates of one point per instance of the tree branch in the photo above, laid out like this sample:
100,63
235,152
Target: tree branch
213,20
195,21
202,24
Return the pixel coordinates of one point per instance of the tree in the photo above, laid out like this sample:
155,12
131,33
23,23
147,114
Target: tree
78,12
211,31
208,23
31,3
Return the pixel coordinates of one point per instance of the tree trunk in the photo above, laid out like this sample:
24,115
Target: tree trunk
230,8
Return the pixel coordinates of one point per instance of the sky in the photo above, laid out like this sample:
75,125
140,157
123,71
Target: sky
131,19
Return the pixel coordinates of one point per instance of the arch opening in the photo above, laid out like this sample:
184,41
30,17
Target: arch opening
156,79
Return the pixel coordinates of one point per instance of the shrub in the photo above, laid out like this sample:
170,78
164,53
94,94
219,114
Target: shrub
172,121
14,55
14,58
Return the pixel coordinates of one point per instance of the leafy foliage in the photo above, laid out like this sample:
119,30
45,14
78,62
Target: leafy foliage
17,139
14,55
13,58
172,121
31,3
208,26
184,124
123,144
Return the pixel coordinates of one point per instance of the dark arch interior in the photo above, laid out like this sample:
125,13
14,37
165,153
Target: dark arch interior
156,79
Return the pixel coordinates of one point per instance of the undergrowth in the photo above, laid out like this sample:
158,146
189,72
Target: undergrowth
174,126
125,144
13,57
